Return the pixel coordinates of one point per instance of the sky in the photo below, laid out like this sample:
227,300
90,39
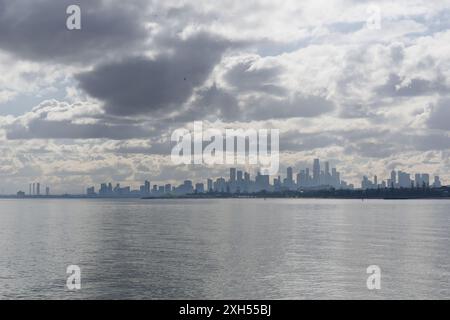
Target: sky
82,107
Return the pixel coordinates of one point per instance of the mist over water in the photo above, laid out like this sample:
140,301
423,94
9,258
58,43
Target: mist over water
224,249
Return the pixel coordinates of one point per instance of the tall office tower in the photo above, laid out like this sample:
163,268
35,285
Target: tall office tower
209,183
262,182
38,189
404,180
289,178
155,188
34,189
168,188
247,177
232,174
418,180
393,178
147,186
426,179
300,178
47,191
307,177
327,174
110,188
220,185
30,190
375,181
437,182
239,176
103,189
335,177
316,172
199,188
365,183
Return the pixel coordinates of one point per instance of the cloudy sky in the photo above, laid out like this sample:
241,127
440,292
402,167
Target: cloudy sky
81,107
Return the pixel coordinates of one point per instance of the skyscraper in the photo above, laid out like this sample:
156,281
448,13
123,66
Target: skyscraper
393,178
38,189
418,180
239,176
426,179
232,174
437,182
209,185
289,178
316,172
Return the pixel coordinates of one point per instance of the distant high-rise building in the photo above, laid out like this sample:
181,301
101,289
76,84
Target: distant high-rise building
47,191
289,178
147,186
232,174
209,183
262,182
426,179
404,179
38,189
168,188
393,178
34,189
437,182
327,175
418,180
199,188
91,191
316,172
239,176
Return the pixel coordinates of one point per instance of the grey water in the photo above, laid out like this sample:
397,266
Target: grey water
225,249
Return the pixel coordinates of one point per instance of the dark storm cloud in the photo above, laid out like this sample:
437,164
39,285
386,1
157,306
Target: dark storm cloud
246,77
140,85
211,103
215,103
36,30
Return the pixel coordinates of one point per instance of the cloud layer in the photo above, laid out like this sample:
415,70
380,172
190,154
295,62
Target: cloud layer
85,106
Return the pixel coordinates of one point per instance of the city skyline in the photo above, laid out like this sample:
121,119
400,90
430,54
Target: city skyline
319,176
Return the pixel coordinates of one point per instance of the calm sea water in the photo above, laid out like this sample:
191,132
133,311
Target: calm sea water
224,249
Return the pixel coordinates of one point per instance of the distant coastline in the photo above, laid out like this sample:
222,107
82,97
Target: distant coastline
385,194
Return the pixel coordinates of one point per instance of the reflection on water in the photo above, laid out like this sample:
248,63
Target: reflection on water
224,249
